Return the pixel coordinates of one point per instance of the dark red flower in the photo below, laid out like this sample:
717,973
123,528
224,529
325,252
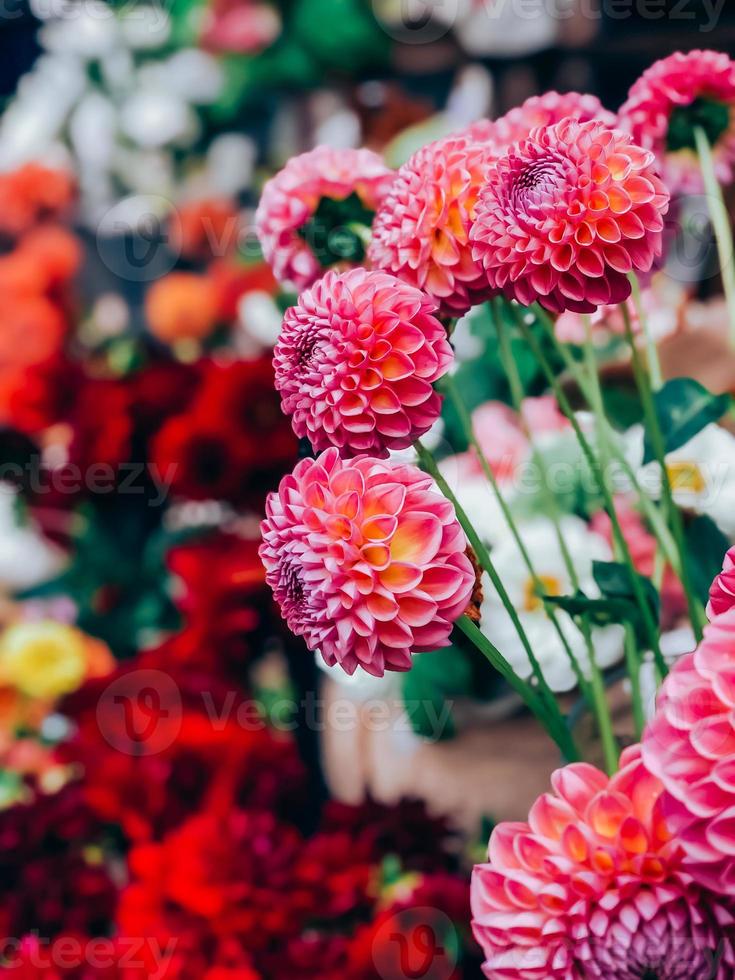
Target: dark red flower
52,876
202,745
227,875
44,394
160,390
233,442
101,424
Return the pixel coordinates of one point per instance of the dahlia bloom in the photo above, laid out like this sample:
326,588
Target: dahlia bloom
366,561
565,216
355,363
673,97
540,110
722,590
296,242
592,887
421,231
690,746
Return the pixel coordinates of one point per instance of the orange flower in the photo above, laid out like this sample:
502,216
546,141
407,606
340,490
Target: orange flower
30,194
181,306
32,330
204,229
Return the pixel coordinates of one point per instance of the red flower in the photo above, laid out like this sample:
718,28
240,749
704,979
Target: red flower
160,390
43,394
31,194
228,875
232,279
51,880
233,441
101,423
208,748
204,229
222,594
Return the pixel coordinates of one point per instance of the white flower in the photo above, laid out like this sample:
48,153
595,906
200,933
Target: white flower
230,162
701,472
259,320
88,29
155,119
476,497
540,540
26,557
145,26
189,74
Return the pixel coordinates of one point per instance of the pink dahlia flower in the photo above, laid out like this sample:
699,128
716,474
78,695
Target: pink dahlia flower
672,98
567,214
305,212
592,887
367,561
421,231
690,746
540,110
722,590
356,360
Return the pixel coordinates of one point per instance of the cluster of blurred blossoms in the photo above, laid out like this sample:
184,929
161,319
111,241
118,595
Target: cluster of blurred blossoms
553,216
157,817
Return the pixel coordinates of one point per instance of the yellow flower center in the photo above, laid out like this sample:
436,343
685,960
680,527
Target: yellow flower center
548,584
686,475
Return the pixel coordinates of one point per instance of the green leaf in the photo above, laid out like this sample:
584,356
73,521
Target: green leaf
706,547
615,582
429,687
617,604
601,612
684,407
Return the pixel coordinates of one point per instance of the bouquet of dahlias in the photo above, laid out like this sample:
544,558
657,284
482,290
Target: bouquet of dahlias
429,511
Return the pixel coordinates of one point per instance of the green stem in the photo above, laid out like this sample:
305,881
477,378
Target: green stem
545,694
653,427
720,223
610,749
605,443
654,365
560,734
593,463
633,662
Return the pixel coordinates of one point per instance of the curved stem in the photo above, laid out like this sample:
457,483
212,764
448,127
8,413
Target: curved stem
720,223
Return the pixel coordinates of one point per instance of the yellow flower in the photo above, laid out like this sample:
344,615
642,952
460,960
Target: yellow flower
43,659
